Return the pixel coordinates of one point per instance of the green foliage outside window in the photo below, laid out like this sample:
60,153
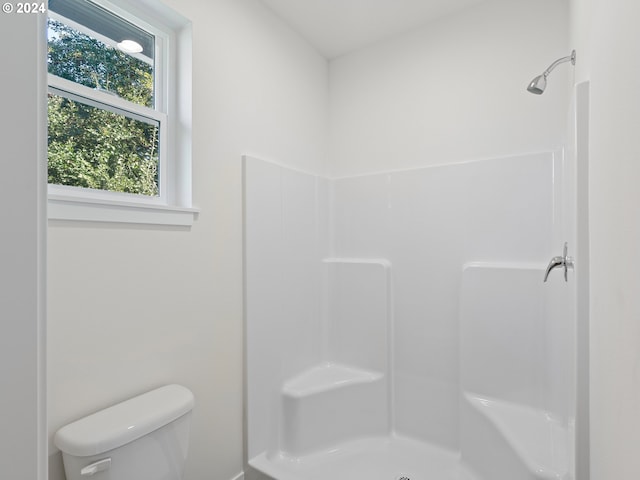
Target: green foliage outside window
94,148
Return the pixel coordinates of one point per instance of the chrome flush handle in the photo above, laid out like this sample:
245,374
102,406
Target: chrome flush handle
564,261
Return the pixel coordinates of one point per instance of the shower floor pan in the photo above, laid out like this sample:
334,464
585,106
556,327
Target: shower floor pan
383,458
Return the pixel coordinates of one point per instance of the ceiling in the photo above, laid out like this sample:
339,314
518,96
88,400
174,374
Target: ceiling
336,27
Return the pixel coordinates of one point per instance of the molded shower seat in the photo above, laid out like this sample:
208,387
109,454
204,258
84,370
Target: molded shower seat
327,377
329,404
539,440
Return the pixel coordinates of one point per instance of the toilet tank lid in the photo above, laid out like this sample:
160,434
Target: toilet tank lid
125,422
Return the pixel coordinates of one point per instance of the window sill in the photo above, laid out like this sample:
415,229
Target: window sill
61,207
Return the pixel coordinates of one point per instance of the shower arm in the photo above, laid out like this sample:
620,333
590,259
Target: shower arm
571,58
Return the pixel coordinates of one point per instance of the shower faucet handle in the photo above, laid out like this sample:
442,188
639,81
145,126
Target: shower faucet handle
564,261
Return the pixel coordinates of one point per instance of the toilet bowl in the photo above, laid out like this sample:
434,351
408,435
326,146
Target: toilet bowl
143,438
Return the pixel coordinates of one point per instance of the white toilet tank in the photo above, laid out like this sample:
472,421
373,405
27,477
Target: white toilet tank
144,438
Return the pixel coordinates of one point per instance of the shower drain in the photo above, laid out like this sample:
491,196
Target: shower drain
403,477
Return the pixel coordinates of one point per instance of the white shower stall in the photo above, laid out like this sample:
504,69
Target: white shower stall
398,326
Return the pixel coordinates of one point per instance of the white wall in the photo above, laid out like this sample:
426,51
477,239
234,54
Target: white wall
22,257
453,90
580,19
608,31
133,307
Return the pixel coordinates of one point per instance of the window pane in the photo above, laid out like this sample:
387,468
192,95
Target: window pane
103,22
77,56
94,148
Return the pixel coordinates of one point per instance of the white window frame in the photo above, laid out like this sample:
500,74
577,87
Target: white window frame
173,204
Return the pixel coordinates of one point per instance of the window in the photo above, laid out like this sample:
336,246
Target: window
117,151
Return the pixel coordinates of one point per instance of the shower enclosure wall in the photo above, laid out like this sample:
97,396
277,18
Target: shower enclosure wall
397,324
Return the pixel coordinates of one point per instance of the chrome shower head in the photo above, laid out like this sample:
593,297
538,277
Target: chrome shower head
539,83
